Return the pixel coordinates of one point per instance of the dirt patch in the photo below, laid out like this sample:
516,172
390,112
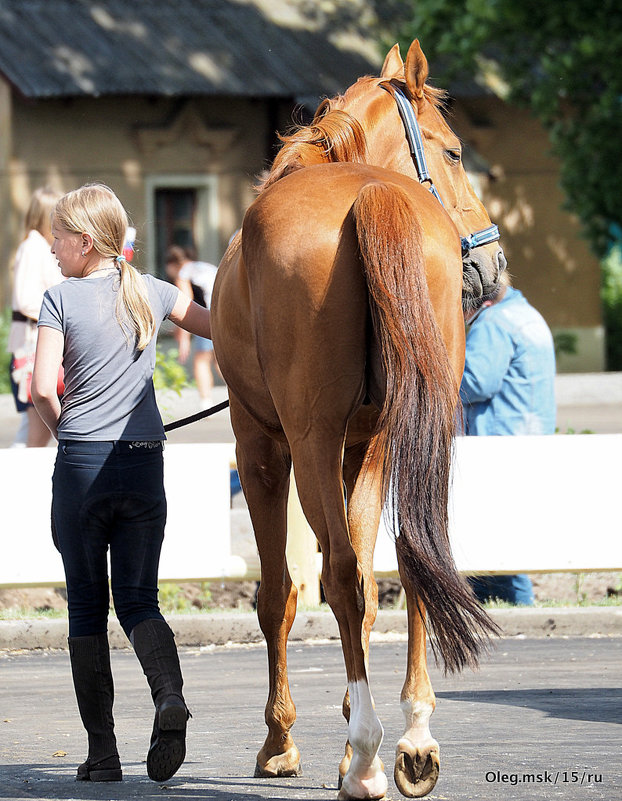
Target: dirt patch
554,588
240,595
576,587
39,599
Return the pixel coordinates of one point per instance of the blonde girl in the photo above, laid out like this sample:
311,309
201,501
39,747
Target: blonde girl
108,491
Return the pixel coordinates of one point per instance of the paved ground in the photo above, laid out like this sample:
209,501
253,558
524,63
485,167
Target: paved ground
540,720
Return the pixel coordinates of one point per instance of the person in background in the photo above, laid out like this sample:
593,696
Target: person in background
196,279
108,486
508,388
35,270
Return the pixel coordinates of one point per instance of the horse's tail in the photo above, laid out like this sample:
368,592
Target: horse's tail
417,421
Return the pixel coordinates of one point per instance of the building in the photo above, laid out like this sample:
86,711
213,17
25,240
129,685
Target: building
176,105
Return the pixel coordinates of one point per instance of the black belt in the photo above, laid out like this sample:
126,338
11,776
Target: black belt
18,317
118,446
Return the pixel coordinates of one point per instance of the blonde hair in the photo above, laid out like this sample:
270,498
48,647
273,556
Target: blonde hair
94,209
39,210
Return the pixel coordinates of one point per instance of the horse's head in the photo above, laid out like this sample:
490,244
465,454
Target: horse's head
389,143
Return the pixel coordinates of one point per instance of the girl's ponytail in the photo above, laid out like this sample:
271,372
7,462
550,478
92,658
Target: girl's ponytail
133,304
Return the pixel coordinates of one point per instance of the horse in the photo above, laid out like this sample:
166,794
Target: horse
337,320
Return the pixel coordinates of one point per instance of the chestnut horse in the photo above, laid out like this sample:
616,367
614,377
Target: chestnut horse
338,327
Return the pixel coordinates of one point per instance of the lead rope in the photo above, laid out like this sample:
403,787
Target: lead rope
193,418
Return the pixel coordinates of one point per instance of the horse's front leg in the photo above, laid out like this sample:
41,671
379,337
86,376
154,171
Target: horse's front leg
264,468
417,761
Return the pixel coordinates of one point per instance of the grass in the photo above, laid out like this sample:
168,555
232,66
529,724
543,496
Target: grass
28,612
173,603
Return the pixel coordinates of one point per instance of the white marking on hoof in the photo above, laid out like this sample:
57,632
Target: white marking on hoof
417,734
365,777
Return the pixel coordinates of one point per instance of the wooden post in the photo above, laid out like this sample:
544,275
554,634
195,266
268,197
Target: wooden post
301,550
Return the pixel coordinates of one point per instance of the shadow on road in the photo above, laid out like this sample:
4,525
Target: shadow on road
37,781
601,704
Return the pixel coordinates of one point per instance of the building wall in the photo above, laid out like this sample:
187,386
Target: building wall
547,257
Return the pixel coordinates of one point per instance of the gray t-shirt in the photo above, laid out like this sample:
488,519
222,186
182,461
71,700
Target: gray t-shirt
109,393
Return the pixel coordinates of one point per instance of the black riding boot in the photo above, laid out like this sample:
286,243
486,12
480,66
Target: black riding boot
92,679
155,648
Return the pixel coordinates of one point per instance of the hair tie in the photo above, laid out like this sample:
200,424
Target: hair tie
120,259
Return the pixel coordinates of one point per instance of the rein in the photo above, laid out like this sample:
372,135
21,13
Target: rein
193,418
415,143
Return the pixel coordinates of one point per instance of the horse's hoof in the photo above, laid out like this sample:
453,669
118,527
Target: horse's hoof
343,769
272,772
370,790
416,774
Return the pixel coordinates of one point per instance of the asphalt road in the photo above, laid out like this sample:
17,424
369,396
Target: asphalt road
540,720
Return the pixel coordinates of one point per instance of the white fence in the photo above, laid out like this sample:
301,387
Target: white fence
518,504
534,504
197,544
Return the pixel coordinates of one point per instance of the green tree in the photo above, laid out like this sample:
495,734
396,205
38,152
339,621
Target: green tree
561,58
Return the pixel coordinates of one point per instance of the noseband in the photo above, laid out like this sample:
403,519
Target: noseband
415,142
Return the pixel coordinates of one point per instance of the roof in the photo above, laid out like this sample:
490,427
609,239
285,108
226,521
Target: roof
256,48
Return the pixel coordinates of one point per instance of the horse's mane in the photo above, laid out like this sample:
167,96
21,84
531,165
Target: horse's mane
332,136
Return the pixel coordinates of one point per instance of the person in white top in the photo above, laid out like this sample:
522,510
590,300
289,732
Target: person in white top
34,271
195,279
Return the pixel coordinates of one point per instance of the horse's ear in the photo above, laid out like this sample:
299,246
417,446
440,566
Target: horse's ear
393,66
416,72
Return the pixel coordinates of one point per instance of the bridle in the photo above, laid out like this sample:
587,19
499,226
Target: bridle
415,142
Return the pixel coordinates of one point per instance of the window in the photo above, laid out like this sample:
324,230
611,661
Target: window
181,211
175,221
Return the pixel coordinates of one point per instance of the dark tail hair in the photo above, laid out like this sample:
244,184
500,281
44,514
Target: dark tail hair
416,426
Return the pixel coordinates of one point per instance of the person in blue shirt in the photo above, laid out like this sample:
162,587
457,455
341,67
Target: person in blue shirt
508,388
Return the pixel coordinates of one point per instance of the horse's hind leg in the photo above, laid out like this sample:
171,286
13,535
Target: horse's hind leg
318,467
364,507
264,467
417,757
417,761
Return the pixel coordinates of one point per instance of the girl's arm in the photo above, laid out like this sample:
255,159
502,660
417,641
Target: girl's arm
183,337
191,317
48,359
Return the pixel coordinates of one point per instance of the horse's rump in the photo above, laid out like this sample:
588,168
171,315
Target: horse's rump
308,305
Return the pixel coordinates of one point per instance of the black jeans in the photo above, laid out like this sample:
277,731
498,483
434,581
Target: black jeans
109,495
